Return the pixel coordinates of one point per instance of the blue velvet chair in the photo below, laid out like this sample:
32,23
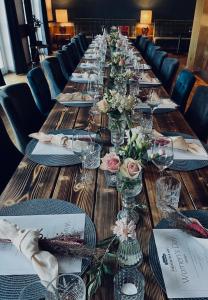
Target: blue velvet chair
40,90
64,63
141,43
70,58
77,47
182,88
73,52
157,61
9,157
143,46
2,81
151,52
83,40
54,74
137,41
168,71
21,112
150,45
79,41
197,113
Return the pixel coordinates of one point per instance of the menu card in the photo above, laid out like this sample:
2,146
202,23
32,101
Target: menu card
13,262
184,263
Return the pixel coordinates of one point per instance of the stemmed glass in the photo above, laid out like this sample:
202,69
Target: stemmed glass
162,153
153,100
82,146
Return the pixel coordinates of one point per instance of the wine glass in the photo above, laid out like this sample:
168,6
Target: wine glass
162,153
82,146
153,99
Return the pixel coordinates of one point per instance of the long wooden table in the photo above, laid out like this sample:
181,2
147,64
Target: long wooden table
100,202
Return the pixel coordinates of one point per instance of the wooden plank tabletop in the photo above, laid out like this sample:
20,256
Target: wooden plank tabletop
100,202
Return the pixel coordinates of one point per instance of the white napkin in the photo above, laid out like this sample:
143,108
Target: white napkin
83,77
146,79
74,97
55,144
90,56
26,241
165,103
87,66
186,149
144,67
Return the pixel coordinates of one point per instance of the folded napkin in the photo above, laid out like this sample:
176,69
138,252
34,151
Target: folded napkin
26,241
180,143
144,67
83,77
165,103
90,56
145,78
77,96
56,139
87,66
57,144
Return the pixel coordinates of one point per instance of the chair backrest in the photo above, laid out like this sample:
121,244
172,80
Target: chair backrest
84,41
182,88
40,90
152,52
80,44
197,113
2,81
70,58
149,47
168,71
64,63
21,111
55,76
9,157
158,59
72,49
77,47
143,45
141,42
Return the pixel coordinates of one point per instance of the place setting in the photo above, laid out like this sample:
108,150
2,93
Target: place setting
178,245
30,245
60,147
153,100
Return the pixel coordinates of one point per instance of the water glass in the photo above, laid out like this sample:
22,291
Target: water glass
67,286
167,193
92,158
162,153
110,178
129,285
146,123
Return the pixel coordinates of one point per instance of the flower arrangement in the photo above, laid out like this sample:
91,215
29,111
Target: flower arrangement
115,102
113,37
118,59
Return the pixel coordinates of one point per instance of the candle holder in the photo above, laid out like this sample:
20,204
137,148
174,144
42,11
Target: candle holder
129,253
129,285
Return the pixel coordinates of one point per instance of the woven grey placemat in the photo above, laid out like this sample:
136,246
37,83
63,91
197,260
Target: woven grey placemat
186,165
10,286
55,160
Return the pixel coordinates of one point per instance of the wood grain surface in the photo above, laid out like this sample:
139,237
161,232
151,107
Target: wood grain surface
100,202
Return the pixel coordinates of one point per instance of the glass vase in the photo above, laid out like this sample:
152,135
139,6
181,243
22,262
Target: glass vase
116,120
110,178
129,253
129,189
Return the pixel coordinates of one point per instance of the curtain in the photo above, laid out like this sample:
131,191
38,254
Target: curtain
45,24
16,41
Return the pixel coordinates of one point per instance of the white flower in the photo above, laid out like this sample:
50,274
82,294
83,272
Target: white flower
123,230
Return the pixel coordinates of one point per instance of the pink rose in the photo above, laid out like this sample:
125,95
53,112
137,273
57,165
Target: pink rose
121,62
130,168
103,106
110,162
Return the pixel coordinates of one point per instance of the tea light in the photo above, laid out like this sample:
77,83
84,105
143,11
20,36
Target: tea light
129,289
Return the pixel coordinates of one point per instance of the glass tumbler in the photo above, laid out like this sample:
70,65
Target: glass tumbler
129,285
92,158
167,193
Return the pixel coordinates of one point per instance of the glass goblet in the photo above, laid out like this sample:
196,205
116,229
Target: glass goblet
82,147
162,153
153,100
